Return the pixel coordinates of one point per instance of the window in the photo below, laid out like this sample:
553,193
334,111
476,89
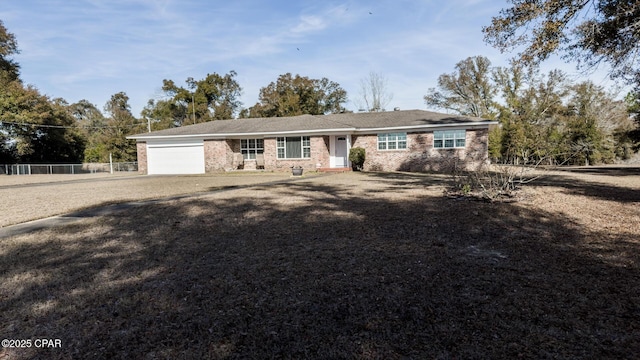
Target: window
392,141
295,147
449,139
251,147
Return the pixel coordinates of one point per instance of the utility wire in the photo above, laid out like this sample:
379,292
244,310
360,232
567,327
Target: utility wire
69,127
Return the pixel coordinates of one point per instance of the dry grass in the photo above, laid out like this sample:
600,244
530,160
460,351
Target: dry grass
345,266
31,197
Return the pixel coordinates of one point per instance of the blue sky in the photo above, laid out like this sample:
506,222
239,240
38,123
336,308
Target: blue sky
92,49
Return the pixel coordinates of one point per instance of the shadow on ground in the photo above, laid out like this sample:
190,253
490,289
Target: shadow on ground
604,170
591,189
310,270
596,190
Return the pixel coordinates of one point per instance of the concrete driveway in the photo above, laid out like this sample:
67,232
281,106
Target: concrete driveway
32,197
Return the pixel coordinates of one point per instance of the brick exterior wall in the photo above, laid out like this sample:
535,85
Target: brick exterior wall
319,155
321,147
218,155
420,154
141,148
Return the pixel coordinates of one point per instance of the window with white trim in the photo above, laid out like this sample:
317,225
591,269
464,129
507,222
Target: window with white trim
447,139
392,141
251,147
293,147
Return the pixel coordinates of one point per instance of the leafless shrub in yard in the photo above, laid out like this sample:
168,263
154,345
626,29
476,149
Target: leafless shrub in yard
491,182
497,182
474,176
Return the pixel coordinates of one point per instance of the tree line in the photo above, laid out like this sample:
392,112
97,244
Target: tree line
37,129
543,117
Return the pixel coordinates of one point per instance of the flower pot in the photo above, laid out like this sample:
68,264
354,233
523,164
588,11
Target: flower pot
296,171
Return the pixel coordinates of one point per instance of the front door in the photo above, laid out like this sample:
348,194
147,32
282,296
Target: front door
340,151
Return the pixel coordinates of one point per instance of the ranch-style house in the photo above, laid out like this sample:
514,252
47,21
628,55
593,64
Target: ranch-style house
407,140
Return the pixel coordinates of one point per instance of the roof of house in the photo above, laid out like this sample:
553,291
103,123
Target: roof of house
351,122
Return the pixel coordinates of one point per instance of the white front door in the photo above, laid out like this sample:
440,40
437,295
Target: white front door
339,151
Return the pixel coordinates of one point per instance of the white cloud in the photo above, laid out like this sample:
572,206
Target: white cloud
309,24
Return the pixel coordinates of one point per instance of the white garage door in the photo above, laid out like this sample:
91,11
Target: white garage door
185,158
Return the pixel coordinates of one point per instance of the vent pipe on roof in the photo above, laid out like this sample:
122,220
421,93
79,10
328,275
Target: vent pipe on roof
396,109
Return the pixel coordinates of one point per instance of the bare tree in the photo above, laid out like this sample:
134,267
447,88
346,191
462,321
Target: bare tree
374,92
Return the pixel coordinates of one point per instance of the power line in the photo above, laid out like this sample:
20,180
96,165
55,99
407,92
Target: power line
69,127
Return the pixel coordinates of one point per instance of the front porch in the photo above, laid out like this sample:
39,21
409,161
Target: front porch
334,170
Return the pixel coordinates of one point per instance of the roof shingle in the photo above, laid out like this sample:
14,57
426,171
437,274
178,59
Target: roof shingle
301,123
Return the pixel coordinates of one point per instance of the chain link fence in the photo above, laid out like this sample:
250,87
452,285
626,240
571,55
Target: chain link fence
86,168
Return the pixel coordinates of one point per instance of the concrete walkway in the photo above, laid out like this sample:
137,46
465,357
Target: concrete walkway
49,222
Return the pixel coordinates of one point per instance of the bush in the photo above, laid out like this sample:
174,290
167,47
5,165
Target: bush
357,156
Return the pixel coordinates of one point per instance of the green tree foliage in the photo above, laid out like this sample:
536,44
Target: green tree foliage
165,114
87,115
9,69
119,124
92,126
215,97
633,105
585,138
563,123
35,128
590,31
596,123
290,96
8,74
218,96
495,144
357,156
632,137
467,91
529,112
543,117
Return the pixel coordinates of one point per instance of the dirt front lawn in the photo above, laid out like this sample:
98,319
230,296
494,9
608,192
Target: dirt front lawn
364,266
31,197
